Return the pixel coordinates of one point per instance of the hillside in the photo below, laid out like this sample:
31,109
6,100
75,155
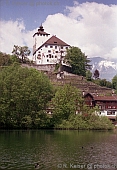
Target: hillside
75,80
79,82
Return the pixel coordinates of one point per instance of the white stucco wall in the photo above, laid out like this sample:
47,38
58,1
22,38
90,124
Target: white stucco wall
49,54
106,113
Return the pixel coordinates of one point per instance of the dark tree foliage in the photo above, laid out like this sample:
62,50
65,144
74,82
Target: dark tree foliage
96,74
77,60
24,93
7,59
114,83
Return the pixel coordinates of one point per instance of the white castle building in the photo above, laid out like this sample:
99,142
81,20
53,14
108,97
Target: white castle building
48,49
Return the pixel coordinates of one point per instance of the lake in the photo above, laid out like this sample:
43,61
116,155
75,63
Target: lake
58,149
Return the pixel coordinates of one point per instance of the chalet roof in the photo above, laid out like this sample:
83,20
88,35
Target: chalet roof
105,98
55,41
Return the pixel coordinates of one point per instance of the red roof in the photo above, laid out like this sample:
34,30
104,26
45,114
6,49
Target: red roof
105,98
55,41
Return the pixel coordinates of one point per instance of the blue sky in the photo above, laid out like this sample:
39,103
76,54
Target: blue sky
91,25
34,12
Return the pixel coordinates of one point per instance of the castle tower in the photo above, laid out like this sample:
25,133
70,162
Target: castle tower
39,38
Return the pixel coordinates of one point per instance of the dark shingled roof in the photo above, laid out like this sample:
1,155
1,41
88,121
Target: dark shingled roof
41,31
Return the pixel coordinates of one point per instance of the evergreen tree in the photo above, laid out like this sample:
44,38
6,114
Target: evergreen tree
96,74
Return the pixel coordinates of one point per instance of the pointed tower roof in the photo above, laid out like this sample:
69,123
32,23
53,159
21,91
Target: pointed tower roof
41,31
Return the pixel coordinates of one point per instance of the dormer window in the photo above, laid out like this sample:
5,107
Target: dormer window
55,42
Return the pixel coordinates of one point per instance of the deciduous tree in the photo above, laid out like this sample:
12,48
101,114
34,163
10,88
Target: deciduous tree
77,60
23,93
67,101
21,52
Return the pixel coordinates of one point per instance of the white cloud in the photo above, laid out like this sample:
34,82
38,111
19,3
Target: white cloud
14,33
90,26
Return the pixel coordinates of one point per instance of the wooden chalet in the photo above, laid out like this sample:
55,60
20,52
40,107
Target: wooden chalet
106,104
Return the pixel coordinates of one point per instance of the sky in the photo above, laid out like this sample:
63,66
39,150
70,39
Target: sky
90,25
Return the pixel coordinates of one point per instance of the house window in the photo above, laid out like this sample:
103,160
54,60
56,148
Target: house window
39,56
49,55
49,51
66,48
55,47
110,112
56,51
46,55
51,46
47,60
55,56
46,46
61,47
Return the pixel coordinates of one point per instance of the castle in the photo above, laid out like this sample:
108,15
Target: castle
47,49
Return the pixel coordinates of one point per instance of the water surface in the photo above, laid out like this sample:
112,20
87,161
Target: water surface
58,149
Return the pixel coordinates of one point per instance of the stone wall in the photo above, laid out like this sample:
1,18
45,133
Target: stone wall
45,67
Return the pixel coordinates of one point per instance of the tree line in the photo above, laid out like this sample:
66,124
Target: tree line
26,96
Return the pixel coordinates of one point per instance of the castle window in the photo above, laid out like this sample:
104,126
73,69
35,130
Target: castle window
51,46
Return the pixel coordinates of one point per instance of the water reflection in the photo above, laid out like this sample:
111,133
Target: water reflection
58,149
